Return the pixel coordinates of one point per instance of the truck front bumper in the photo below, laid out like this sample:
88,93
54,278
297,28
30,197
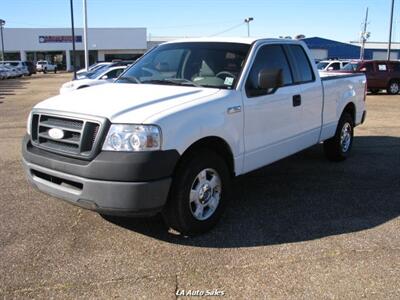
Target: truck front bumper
113,183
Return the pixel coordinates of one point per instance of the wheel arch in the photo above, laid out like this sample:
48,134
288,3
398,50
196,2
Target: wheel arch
351,109
214,143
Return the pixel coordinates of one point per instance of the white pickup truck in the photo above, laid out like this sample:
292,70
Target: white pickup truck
175,128
45,66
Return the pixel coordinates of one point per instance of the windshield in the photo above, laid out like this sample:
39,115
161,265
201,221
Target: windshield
96,72
350,67
322,65
41,62
206,64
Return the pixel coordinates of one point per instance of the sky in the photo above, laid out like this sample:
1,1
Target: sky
334,19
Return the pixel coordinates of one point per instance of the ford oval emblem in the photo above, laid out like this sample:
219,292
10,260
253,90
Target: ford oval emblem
56,133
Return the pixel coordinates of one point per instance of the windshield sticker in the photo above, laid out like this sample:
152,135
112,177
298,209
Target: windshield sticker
228,81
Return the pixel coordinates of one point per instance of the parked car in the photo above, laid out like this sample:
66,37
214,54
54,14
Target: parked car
3,73
101,77
331,65
102,67
92,68
381,74
172,139
19,65
13,71
45,66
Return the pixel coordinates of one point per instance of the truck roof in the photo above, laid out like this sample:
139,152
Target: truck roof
239,40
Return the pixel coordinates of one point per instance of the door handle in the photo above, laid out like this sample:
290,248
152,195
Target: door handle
296,100
234,109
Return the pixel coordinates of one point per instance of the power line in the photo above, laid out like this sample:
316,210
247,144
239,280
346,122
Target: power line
229,29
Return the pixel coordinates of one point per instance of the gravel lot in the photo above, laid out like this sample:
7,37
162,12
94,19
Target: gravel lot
300,228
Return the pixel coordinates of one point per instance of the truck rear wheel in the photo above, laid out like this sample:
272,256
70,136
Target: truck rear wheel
198,194
393,88
338,147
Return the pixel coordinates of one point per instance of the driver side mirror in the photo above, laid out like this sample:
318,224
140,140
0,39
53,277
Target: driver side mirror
104,77
330,69
270,79
364,69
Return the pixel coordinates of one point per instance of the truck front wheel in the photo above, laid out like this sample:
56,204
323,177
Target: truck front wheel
338,147
199,191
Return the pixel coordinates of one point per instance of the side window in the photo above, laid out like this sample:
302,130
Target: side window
369,67
335,66
396,67
114,73
382,67
300,64
270,57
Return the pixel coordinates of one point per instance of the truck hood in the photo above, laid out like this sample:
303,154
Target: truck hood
123,102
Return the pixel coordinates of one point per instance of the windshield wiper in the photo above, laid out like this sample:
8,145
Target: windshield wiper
172,81
183,81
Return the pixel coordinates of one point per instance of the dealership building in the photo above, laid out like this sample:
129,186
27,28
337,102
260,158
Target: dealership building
107,44
55,44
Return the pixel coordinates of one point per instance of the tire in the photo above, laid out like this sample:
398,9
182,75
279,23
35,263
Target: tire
338,147
44,71
55,70
393,87
374,91
193,206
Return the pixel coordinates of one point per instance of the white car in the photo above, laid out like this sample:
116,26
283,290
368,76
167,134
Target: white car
92,68
5,73
331,65
172,142
96,78
19,65
45,66
13,72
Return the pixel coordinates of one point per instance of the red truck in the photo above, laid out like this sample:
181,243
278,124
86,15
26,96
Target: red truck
381,74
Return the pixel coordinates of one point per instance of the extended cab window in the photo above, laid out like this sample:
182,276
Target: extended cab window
300,64
269,57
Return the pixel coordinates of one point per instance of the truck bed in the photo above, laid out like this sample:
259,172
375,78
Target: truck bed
340,89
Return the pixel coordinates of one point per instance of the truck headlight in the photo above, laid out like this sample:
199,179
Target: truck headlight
122,137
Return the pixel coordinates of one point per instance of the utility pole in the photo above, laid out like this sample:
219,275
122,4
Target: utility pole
364,36
248,20
390,31
73,37
85,43
2,23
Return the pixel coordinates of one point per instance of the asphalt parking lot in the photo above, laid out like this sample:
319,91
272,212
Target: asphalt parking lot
300,228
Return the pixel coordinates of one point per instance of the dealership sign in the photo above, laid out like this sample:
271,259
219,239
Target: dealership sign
59,39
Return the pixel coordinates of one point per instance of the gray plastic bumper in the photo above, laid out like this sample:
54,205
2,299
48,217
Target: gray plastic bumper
108,197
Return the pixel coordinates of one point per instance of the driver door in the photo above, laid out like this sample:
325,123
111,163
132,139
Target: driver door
273,119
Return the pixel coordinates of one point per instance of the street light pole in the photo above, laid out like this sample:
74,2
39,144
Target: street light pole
73,37
2,23
390,31
248,20
85,41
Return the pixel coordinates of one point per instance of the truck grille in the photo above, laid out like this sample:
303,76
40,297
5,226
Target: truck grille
78,139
